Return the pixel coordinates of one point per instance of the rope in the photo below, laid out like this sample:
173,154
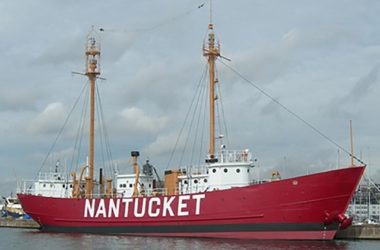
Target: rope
199,89
201,96
105,133
160,24
220,111
204,122
291,112
186,117
80,133
61,130
100,134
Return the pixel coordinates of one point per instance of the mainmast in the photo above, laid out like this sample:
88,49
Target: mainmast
92,71
211,52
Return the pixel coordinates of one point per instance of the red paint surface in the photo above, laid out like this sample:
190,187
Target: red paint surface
298,200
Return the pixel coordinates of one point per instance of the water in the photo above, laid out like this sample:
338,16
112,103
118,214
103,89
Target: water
35,240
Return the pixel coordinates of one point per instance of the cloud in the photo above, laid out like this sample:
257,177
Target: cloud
12,99
164,144
316,58
158,87
59,52
135,120
50,120
346,105
317,37
363,86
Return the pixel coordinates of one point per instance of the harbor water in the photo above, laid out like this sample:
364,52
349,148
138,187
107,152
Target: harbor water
31,239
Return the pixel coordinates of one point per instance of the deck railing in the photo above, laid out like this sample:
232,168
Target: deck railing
233,156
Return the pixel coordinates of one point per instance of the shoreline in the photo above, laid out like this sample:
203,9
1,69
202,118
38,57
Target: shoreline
18,223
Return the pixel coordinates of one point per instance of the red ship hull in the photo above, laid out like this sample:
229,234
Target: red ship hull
306,207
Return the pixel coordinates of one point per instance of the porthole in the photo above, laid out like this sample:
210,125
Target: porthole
44,185
124,185
150,185
238,170
71,185
63,185
225,170
185,181
196,181
247,170
121,185
214,170
130,185
205,180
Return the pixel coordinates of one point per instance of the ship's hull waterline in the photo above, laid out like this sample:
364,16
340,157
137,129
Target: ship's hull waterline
305,207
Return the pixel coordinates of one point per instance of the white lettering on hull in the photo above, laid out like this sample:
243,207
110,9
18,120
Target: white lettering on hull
114,208
126,202
141,213
89,208
156,212
167,206
198,198
183,205
101,209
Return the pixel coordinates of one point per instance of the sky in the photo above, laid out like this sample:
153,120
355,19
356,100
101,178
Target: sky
319,59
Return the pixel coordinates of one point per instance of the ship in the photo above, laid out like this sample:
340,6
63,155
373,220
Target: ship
11,207
220,199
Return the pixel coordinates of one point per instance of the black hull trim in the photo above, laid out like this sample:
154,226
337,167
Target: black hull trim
273,227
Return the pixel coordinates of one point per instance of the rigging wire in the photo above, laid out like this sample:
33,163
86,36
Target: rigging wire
222,114
158,25
80,132
290,111
186,117
100,127
201,96
61,130
204,122
199,89
104,133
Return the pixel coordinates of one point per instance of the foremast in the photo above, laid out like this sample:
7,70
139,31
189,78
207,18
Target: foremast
92,72
211,51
